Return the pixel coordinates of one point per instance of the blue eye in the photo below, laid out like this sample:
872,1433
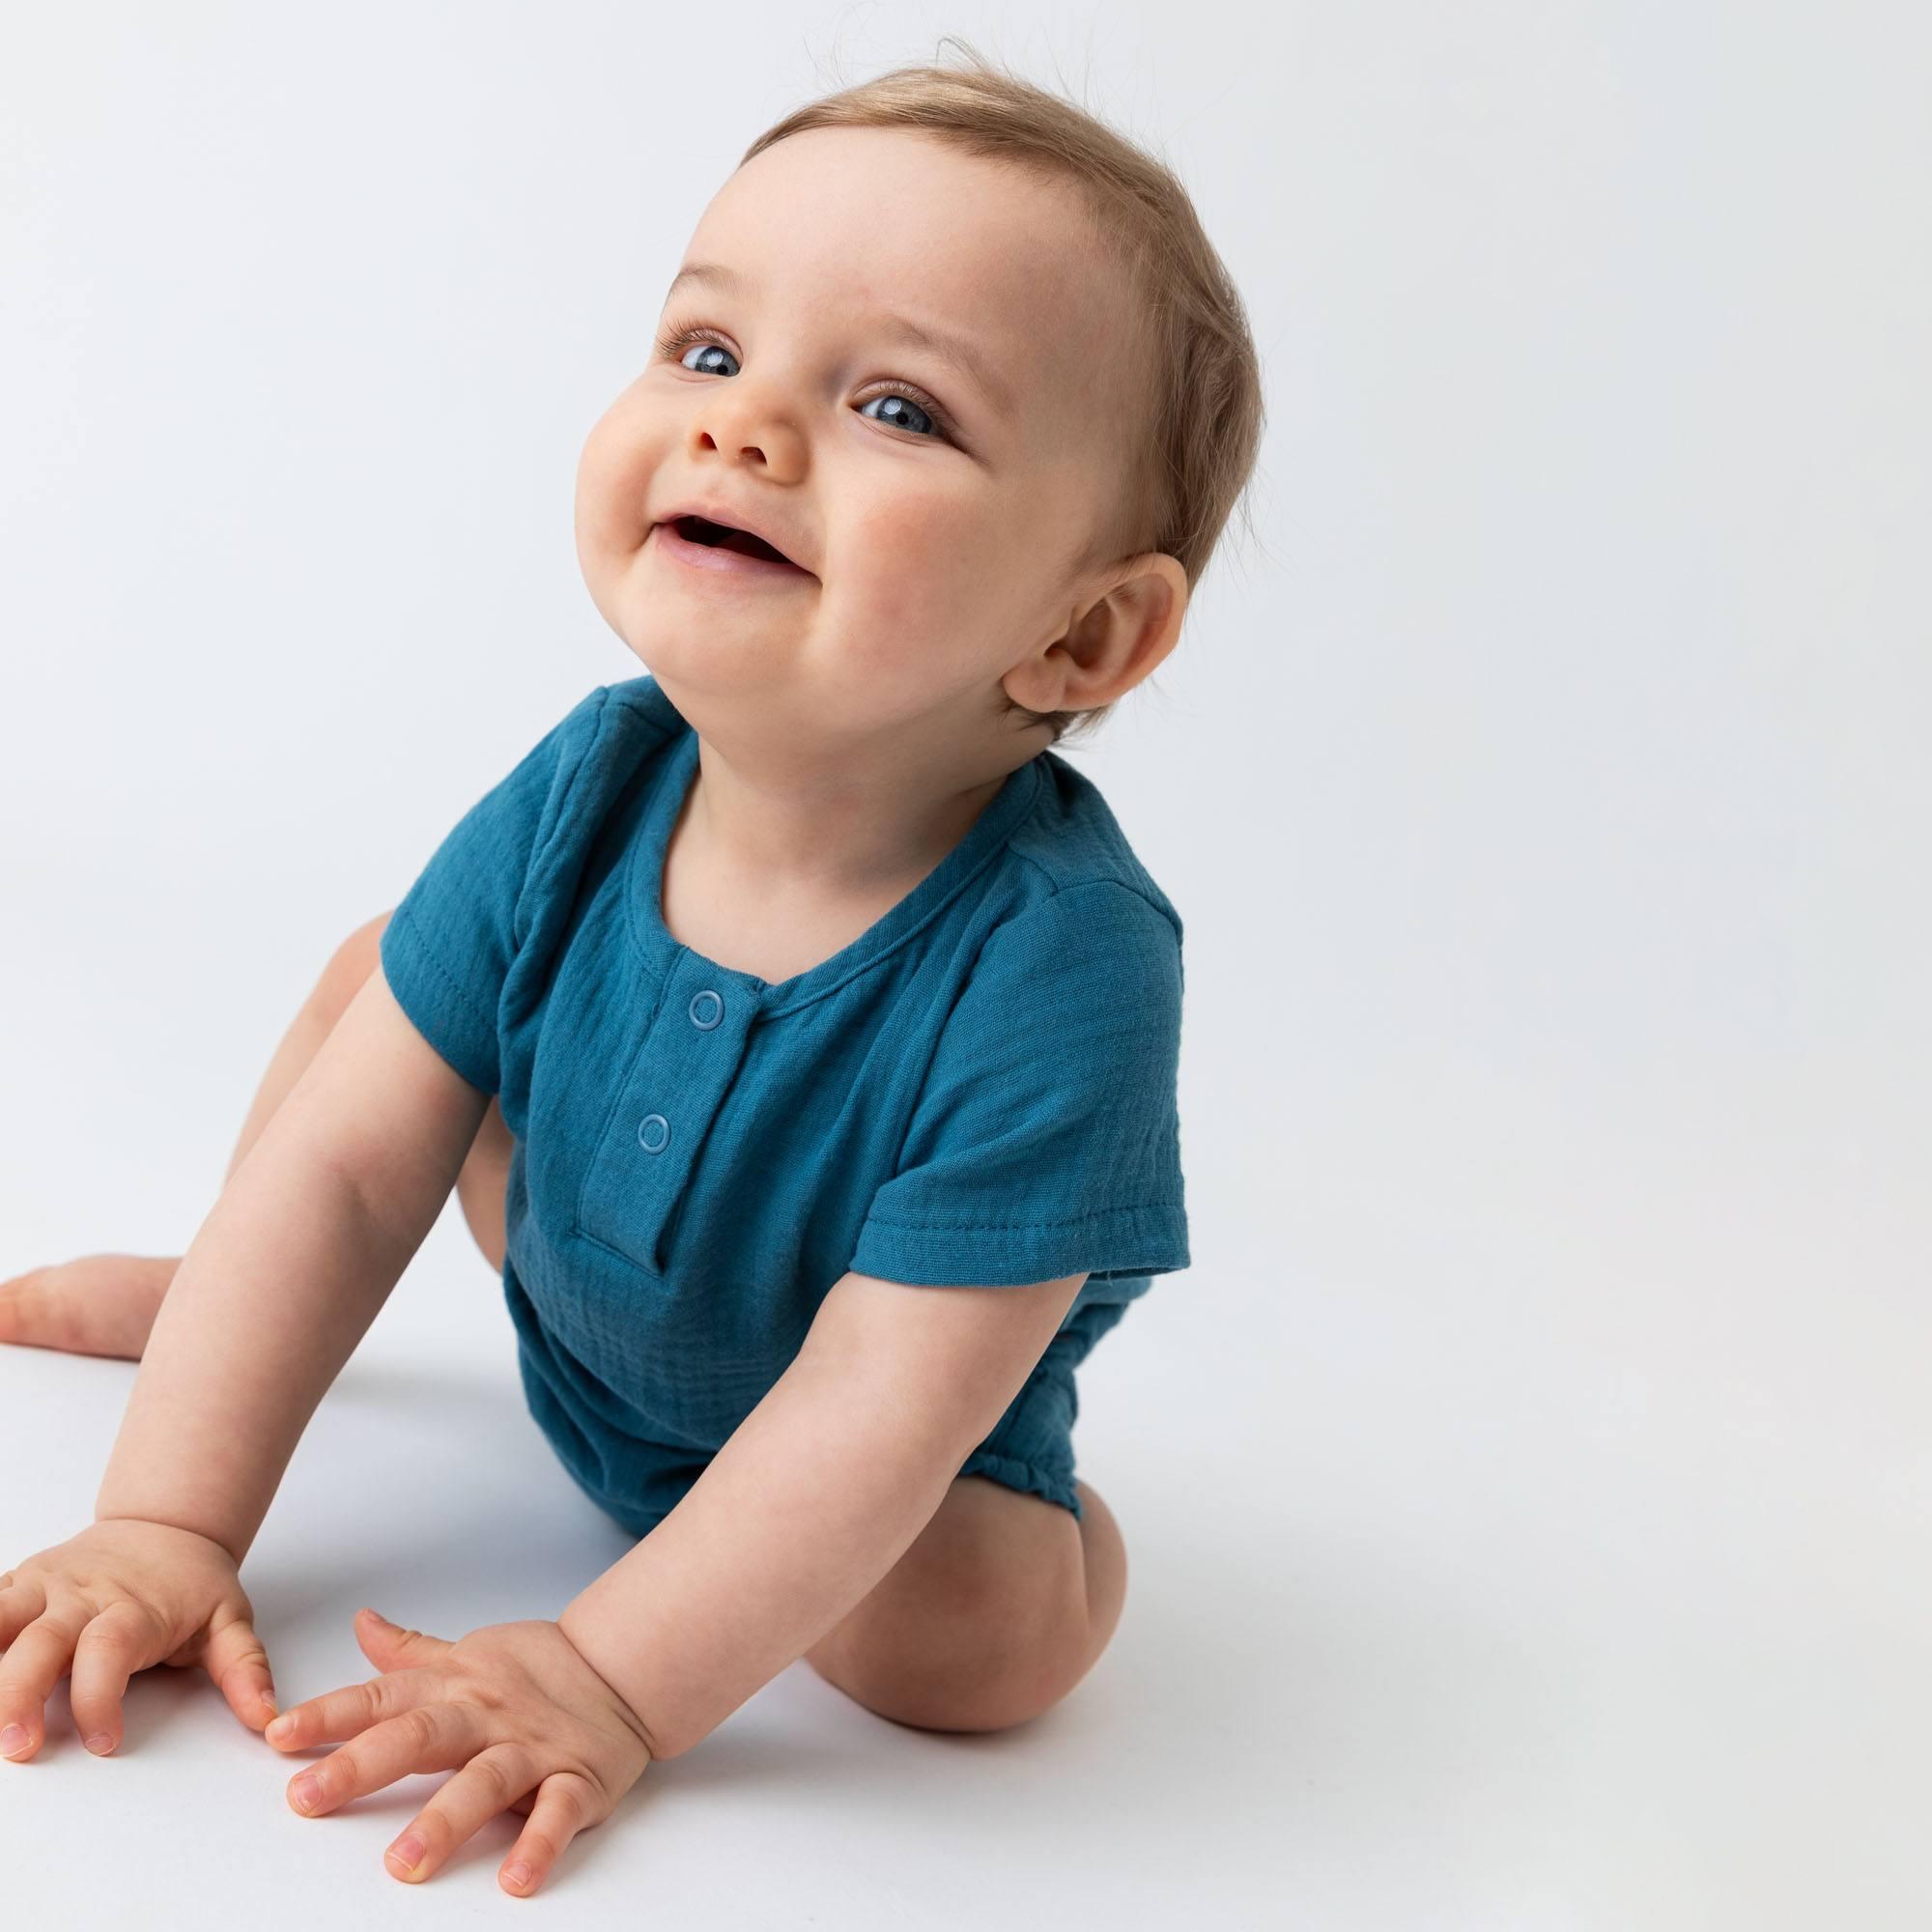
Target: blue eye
710,348
895,408
902,404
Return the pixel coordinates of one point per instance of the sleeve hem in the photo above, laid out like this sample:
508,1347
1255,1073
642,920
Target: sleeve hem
1145,1241
436,1004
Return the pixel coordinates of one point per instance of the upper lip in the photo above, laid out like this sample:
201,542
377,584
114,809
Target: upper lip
716,512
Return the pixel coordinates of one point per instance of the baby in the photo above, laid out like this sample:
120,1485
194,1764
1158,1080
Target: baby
799,1031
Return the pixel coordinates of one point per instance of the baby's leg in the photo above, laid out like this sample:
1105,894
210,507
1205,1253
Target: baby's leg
105,1304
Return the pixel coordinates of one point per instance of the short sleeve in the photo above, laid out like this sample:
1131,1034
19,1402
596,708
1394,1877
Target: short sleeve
1046,1138
449,944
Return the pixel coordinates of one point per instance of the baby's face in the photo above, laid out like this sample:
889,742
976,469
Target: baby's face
936,510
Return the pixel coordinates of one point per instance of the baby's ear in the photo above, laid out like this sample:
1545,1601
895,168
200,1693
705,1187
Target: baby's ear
1131,624
1157,586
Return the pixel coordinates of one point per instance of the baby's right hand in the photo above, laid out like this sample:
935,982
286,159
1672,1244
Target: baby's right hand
120,1596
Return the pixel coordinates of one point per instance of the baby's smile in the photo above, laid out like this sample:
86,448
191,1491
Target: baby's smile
920,434
840,514
797,1036
726,553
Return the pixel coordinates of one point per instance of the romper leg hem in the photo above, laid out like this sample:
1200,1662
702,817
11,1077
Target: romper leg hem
1012,1474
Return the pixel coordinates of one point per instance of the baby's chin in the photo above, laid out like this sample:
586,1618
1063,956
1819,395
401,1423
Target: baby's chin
753,659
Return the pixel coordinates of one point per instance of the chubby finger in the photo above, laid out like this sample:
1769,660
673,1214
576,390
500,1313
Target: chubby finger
351,1711
36,1662
566,1803
106,1654
240,1667
392,1647
484,1787
432,1736
21,1600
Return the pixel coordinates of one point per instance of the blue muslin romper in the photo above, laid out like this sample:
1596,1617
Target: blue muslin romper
979,1090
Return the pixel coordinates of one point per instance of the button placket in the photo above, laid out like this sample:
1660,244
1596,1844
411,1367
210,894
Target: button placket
706,1011
678,1081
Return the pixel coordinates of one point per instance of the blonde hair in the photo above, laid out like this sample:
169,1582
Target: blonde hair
1194,441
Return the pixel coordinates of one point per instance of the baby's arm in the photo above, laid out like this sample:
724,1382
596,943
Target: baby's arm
814,1498
287,1272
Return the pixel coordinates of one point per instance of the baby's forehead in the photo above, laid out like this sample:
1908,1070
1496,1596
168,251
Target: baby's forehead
881,220
849,231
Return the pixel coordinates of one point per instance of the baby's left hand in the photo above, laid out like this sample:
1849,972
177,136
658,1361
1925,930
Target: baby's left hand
511,1708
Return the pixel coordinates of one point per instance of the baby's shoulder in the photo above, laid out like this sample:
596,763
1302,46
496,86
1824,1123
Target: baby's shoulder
612,737
1071,841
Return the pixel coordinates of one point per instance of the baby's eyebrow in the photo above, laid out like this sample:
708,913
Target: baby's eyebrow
943,343
956,350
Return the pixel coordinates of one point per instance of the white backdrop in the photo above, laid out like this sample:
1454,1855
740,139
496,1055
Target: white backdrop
1526,1489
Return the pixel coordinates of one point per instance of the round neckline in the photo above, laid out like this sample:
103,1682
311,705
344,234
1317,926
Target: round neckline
660,947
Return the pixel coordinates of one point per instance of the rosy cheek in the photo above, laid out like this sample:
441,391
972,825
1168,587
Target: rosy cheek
897,582
621,448
932,534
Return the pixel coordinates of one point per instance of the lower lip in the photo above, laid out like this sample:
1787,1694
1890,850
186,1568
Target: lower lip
726,562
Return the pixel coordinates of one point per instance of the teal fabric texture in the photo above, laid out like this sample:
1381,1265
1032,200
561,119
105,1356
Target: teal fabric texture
980,1090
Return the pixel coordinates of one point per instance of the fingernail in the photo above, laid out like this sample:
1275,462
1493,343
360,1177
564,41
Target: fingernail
519,1875
100,1743
12,1739
280,1728
408,1852
306,1791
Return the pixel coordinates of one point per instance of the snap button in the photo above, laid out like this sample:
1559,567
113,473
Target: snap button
706,1010
654,1133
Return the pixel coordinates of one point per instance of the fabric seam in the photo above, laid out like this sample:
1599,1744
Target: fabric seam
409,930
1166,917
898,1153
1010,1227
519,926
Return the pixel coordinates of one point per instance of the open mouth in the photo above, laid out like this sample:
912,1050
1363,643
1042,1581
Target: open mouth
722,536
